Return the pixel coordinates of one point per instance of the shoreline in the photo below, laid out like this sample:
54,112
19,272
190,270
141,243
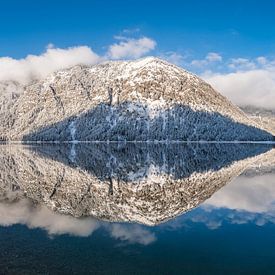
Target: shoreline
137,141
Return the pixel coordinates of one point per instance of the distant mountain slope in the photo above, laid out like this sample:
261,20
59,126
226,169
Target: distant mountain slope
147,99
264,117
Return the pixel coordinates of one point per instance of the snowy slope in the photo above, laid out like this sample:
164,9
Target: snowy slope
147,99
264,117
9,94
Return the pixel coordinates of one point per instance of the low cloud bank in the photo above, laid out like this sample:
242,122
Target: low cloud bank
39,66
253,87
25,213
35,67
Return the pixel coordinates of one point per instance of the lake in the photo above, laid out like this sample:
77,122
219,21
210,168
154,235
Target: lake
137,208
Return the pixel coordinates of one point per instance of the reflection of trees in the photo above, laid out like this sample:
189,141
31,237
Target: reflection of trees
145,183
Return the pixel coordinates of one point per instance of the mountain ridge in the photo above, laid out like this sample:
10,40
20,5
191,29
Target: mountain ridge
147,94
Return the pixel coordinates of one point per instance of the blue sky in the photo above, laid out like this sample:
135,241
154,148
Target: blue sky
231,28
229,43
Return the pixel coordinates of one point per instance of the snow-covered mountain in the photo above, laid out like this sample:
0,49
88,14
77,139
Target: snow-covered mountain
146,99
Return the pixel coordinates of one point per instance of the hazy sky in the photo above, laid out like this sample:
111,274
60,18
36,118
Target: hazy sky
225,41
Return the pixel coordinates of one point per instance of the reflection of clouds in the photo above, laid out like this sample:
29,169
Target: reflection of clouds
213,219
255,195
245,200
25,213
239,218
132,233
210,223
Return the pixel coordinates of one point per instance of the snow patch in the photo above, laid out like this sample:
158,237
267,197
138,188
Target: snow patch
72,129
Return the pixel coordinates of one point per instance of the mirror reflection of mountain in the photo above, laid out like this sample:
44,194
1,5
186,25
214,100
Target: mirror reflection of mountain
264,166
247,199
144,183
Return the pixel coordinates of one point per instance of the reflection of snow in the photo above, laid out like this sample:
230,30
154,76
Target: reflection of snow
72,129
152,174
72,155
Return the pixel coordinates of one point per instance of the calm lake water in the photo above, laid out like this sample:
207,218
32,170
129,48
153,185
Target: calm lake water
137,209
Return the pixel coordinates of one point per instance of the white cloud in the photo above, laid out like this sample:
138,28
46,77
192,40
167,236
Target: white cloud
173,57
38,66
252,87
241,64
34,67
262,60
199,63
211,57
131,48
246,82
50,46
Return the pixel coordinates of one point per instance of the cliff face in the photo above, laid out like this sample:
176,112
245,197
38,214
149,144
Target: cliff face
136,183
147,99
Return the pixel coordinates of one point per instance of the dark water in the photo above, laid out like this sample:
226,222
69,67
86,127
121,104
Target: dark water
137,209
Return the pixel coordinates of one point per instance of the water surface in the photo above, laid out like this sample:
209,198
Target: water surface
137,209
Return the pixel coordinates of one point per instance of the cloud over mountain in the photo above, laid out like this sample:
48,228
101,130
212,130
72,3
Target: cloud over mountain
244,81
131,48
34,67
255,87
39,66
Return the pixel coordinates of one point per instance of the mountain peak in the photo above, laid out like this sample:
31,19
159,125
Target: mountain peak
144,99
149,60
